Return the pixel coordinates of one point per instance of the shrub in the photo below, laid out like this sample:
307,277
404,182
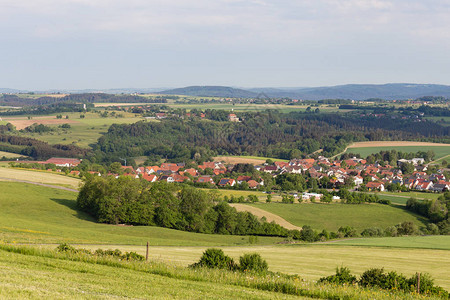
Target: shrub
342,276
65,248
215,258
371,232
253,262
373,277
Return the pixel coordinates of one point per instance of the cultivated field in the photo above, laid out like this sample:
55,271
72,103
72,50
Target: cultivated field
39,177
332,216
255,160
23,122
367,148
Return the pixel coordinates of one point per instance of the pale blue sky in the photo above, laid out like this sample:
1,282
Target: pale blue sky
77,44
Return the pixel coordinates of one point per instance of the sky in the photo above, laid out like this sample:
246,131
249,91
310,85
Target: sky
101,44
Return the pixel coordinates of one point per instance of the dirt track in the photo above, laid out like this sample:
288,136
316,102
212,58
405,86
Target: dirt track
262,213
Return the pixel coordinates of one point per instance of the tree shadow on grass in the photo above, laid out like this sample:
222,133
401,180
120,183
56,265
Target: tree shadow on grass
72,204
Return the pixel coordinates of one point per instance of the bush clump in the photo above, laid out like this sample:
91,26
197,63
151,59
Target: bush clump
215,259
342,276
376,277
102,253
253,262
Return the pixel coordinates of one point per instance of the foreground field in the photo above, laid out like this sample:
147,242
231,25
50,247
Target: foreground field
312,261
39,215
34,277
332,216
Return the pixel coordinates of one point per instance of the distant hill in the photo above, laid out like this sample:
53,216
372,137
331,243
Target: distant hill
388,91
211,91
9,91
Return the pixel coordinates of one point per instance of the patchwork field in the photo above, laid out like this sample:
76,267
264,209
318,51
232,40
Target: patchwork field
332,216
83,131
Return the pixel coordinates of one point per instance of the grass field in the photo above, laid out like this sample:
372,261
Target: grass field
313,261
44,215
367,148
39,177
418,242
333,216
35,277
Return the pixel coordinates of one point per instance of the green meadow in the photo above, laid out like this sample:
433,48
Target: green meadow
332,216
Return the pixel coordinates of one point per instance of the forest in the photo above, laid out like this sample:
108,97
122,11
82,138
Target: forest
137,202
269,134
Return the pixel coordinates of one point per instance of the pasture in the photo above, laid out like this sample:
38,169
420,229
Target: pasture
332,216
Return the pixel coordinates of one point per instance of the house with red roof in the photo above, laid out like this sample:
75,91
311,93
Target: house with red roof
63,162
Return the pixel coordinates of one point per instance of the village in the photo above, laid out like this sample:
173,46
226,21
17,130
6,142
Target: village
353,174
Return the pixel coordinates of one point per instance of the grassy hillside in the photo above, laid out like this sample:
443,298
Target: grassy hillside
39,214
332,216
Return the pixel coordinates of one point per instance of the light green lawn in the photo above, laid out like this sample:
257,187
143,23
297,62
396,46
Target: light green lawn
332,216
